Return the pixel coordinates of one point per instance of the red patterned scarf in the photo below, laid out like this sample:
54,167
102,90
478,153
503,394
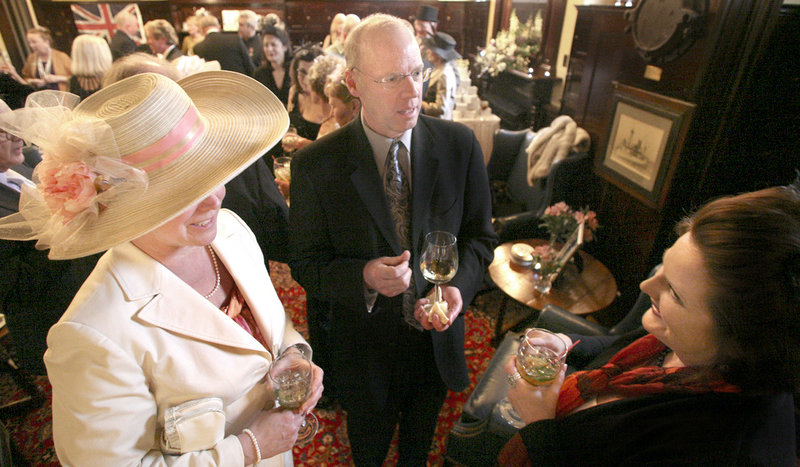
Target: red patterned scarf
626,375
238,310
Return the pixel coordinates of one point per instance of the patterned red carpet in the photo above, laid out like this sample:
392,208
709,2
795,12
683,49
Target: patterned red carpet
31,433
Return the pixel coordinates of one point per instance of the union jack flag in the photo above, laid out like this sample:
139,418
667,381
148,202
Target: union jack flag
98,18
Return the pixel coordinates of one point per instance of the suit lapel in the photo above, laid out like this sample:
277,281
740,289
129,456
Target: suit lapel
367,182
9,200
174,305
424,165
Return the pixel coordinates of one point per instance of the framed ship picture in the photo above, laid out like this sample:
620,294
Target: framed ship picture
644,141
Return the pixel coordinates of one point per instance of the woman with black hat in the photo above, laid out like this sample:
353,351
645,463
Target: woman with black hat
440,98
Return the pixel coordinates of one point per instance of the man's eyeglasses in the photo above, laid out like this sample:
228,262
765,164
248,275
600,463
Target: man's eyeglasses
393,80
5,137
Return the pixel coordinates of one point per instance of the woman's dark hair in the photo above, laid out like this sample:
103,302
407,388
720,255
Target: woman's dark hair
307,53
750,244
282,35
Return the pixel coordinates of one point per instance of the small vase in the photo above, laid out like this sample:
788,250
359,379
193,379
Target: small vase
543,277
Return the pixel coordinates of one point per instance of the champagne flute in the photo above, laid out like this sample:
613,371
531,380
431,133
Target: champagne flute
282,167
439,260
291,375
540,356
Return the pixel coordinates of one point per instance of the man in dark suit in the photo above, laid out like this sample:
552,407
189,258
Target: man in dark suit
255,197
356,246
122,43
34,291
162,39
227,49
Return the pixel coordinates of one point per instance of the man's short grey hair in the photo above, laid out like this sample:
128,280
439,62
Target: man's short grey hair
159,28
122,17
208,21
250,16
373,23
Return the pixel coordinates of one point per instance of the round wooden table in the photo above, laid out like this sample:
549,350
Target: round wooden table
580,292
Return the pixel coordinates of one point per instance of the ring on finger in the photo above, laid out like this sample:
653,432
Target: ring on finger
513,378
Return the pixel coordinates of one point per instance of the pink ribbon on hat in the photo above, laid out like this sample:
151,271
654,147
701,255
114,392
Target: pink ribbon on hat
173,145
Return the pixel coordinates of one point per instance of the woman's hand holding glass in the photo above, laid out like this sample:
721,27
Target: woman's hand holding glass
297,385
535,375
534,403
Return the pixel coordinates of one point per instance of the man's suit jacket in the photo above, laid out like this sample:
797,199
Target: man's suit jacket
138,340
340,220
228,49
34,290
174,53
255,197
122,45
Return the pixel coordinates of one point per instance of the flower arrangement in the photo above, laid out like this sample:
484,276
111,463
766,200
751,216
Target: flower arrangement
560,220
512,49
67,188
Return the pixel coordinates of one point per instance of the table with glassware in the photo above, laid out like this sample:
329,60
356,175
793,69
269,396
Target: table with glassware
581,291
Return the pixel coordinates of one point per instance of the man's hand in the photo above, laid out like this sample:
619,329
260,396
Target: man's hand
452,295
388,275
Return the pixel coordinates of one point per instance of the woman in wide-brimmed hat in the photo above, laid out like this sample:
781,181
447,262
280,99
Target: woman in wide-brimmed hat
440,99
164,350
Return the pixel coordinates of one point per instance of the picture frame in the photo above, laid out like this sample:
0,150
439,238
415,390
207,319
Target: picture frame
570,247
644,140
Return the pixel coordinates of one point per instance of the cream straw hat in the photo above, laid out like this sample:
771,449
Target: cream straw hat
136,154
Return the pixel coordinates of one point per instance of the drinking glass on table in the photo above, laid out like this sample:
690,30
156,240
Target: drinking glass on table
291,375
540,356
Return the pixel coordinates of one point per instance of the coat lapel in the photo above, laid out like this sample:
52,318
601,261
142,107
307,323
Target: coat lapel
367,182
424,165
173,305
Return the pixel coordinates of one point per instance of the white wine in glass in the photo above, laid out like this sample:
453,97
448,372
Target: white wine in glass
291,375
439,259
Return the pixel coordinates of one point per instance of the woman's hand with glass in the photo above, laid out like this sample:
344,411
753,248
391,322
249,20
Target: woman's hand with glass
534,403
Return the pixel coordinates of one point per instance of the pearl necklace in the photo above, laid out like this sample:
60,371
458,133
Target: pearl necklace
216,272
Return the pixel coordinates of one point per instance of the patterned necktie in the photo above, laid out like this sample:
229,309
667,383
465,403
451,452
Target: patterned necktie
398,194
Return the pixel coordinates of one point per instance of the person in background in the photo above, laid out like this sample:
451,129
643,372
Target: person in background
335,35
440,98
426,22
34,290
227,49
306,110
390,363
319,75
162,356
162,39
337,48
91,59
194,34
248,31
137,63
344,106
709,378
46,67
274,72
125,39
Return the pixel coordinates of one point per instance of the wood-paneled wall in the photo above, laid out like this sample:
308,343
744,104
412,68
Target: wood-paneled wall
307,21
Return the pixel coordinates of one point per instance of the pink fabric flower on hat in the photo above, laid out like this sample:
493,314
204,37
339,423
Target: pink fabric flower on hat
67,188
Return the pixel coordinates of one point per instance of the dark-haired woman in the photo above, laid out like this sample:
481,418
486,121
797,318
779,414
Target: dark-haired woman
710,382
274,73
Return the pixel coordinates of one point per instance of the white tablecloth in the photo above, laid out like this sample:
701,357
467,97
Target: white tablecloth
484,128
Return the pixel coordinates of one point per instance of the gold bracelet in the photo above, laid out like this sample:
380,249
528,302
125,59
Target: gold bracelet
255,444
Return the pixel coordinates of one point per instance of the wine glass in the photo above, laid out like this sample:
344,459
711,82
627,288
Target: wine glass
291,374
540,356
439,260
282,168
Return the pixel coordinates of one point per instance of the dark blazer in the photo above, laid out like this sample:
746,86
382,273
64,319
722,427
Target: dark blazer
255,197
34,291
174,53
228,49
122,45
339,220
